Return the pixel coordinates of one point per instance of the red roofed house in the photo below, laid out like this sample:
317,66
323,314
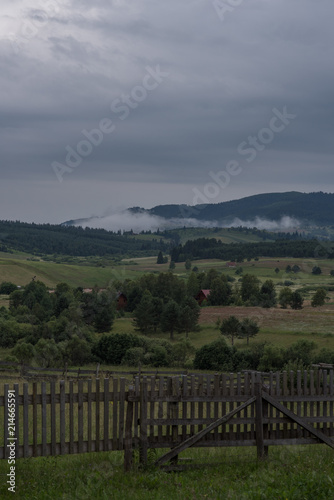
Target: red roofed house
202,296
231,264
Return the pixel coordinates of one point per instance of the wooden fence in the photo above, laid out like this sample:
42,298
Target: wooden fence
248,409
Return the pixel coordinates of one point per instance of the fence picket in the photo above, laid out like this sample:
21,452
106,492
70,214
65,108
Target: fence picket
60,422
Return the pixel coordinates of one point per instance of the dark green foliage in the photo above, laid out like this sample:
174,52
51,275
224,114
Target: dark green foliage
6,287
267,296
160,259
98,310
193,284
134,356
230,327
285,297
78,351
189,315
220,292
111,349
295,268
48,353
9,333
170,318
319,298
250,289
187,265
317,207
215,356
73,241
303,349
24,352
148,313
296,300
248,328
316,270
210,248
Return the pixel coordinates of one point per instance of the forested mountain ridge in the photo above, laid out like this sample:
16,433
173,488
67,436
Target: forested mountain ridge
311,208
70,240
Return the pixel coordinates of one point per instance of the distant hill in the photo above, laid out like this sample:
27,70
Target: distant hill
308,208
51,239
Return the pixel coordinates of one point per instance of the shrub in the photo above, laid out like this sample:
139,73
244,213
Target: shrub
134,356
111,348
6,288
301,350
24,352
215,356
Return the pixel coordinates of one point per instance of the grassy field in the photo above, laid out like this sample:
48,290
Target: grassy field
281,327
19,269
290,473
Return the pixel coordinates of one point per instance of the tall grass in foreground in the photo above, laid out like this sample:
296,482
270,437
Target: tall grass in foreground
292,473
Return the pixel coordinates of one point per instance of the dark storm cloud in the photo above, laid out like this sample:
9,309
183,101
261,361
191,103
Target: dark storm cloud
64,64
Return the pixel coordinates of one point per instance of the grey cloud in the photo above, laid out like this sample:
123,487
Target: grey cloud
225,78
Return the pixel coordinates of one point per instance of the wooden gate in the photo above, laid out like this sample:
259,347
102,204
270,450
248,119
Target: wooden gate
229,410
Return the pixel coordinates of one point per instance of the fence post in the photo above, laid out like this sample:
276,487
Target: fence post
261,451
174,414
143,422
128,452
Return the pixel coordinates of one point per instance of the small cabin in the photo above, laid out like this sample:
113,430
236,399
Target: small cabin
231,264
121,301
202,296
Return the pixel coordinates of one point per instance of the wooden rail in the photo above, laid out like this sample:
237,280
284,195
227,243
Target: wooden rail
173,412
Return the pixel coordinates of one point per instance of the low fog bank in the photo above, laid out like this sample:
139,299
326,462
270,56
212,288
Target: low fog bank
284,224
142,221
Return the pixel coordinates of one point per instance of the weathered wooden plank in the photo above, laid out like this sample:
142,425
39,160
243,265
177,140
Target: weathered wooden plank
89,413
143,422
62,416
331,414
152,403
71,416
192,404
259,421
121,413
80,416
97,414
160,405
200,404
53,417
194,439
298,420
106,399
136,393
184,385
128,446
216,405
34,418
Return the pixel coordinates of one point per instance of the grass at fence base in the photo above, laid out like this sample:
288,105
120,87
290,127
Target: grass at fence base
293,473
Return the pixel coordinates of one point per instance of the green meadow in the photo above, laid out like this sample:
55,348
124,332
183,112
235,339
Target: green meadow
290,473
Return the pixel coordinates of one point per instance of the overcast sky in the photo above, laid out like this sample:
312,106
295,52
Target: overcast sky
190,101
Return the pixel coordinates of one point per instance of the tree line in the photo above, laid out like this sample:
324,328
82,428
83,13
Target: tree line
49,239
211,248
